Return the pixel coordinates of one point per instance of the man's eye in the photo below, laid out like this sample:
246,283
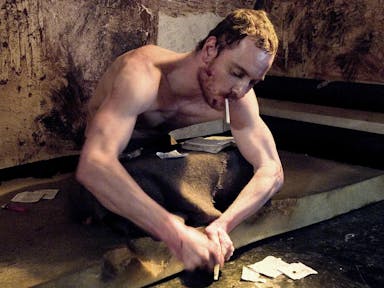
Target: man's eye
238,75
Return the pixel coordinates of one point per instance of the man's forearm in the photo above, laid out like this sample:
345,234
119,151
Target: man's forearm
262,186
119,192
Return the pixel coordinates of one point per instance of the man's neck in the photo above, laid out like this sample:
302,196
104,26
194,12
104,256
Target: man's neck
182,78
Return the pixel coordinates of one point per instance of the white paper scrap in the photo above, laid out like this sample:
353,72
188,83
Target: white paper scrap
269,266
35,196
297,271
28,197
171,154
248,274
49,194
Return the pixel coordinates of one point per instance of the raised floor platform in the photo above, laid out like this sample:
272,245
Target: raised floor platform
366,121
45,247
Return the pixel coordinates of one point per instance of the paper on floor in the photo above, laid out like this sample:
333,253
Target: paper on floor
272,267
49,194
251,275
269,266
170,155
297,270
35,196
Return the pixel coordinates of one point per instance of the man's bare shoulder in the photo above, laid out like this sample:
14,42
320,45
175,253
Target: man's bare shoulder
146,57
143,66
134,76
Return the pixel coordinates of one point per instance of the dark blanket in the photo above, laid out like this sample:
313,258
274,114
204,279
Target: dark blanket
197,187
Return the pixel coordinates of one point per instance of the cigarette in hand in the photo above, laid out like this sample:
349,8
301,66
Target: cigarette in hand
216,271
227,117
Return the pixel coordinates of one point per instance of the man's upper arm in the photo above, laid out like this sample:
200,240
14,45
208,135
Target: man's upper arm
111,127
252,135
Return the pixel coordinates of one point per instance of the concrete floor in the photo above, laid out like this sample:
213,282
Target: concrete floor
347,252
45,244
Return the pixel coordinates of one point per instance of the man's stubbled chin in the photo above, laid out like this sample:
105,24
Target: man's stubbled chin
217,104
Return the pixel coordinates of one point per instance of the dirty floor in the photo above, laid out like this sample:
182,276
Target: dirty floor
347,252
42,244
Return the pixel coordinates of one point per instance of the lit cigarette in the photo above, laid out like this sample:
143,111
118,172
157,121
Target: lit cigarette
216,269
227,117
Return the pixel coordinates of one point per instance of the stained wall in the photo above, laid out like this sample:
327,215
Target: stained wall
53,52
334,40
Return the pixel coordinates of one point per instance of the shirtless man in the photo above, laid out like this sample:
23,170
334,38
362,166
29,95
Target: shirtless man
154,87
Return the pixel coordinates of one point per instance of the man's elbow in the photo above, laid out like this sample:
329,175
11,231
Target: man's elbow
274,176
278,178
87,169
82,170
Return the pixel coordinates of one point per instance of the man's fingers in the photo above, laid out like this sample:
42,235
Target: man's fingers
228,256
219,256
226,245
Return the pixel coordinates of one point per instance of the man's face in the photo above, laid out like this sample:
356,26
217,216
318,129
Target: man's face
233,73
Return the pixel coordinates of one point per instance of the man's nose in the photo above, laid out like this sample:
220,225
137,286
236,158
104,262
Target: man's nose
238,91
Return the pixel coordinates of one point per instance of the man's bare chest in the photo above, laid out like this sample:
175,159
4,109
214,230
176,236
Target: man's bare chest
176,117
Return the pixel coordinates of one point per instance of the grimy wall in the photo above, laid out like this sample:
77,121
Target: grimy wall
331,40
52,52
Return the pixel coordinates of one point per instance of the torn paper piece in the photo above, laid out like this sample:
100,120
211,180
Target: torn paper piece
49,194
297,271
35,196
269,266
28,197
170,155
250,275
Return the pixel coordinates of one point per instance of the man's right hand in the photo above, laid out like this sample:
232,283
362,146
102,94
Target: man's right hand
195,249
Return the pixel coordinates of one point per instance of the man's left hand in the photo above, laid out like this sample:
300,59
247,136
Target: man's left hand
218,234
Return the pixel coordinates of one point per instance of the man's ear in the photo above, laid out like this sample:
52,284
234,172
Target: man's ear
209,50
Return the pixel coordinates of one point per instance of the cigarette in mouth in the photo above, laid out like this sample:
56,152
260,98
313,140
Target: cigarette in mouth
216,271
227,117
